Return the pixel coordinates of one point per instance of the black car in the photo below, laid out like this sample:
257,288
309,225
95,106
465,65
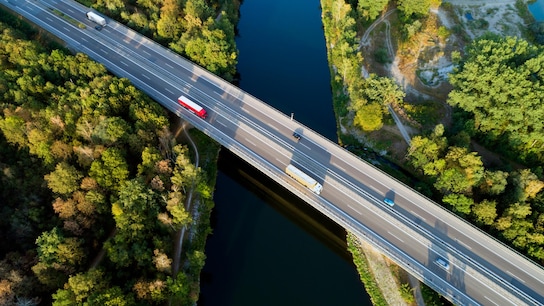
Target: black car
297,136
98,27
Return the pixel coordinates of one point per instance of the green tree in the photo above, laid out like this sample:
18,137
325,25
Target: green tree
384,91
526,184
150,156
64,180
485,212
111,170
79,288
423,152
411,7
14,130
452,180
195,12
53,247
469,162
212,50
427,153
460,203
112,296
369,9
135,210
39,143
514,225
500,84
457,172
110,130
494,182
369,117
168,26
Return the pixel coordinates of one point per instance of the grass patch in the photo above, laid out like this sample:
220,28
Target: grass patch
360,261
69,19
407,293
426,113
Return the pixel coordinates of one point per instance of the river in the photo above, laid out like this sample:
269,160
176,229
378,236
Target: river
267,246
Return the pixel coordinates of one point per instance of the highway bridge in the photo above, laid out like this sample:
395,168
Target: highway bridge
456,259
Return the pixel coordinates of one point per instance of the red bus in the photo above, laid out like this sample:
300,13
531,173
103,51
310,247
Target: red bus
192,106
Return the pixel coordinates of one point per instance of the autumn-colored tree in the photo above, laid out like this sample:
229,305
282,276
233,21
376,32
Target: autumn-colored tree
485,212
64,180
79,287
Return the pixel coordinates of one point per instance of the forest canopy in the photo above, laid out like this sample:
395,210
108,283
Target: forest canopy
88,163
500,84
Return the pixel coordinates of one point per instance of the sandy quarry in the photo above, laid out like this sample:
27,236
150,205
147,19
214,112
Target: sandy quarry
502,16
422,66
476,17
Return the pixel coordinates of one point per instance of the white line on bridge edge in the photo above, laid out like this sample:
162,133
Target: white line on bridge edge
463,244
519,279
251,142
355,210
306,146
221,123
103,50
215,92
339,167
490,300
123,63
145,76
49,19
395,236
169,66
66,29
168,90
84,39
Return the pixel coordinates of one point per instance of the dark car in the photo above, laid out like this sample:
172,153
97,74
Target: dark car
297,136
98,27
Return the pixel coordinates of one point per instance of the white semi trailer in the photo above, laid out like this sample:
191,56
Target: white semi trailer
96,18
304,179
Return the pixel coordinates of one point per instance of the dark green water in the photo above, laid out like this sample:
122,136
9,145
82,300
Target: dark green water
267,246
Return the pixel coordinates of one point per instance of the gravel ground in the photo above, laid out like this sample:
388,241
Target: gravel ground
382,275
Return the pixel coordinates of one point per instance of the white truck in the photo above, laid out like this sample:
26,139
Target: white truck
304,179
96,18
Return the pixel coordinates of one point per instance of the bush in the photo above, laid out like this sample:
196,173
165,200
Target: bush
381,56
